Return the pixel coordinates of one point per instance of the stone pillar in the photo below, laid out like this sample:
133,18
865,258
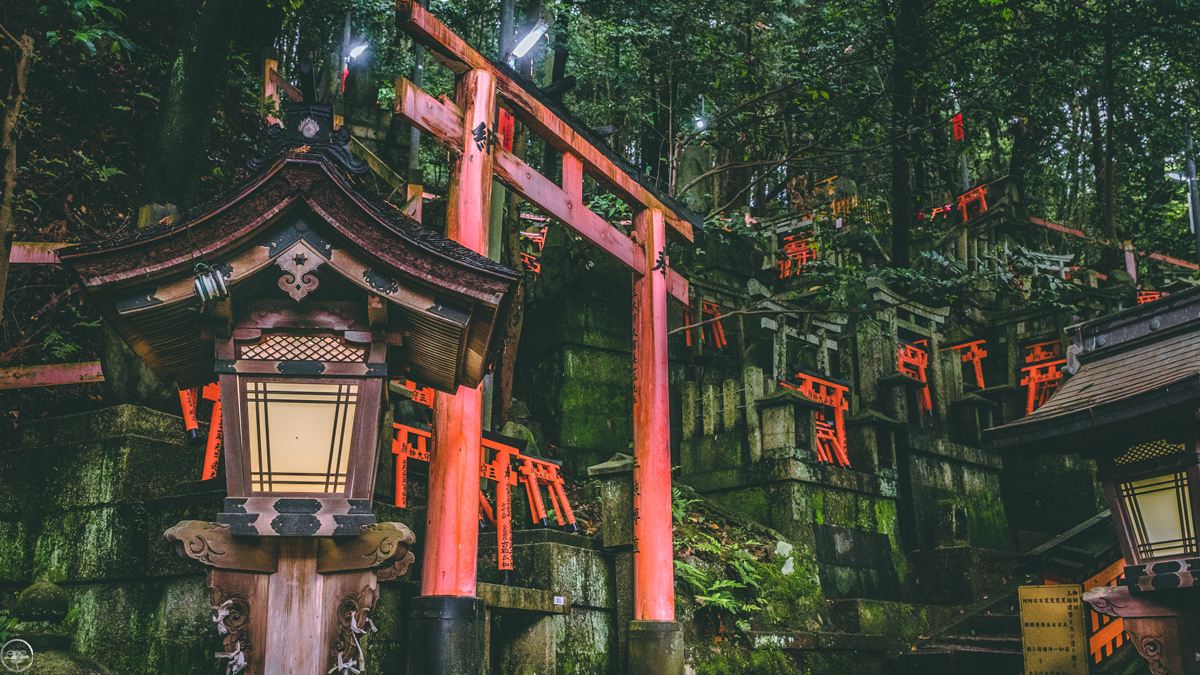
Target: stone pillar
616,505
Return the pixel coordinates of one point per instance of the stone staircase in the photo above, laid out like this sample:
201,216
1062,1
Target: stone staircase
986,639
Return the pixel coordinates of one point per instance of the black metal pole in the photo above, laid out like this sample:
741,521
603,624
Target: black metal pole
1193,200
418,78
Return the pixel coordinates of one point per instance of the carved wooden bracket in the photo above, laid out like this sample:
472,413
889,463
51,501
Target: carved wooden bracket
379,545
1158,625
213,545
354,621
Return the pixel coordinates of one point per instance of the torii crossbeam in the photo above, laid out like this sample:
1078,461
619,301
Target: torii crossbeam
467,125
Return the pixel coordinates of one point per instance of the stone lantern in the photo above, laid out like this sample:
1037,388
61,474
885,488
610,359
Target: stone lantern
301,294
1131,402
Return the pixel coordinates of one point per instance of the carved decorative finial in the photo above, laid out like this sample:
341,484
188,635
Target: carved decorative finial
308,129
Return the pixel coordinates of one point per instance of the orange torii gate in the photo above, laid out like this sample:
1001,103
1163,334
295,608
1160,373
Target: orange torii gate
443,617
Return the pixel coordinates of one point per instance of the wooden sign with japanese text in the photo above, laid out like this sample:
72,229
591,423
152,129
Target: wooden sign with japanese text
1052,633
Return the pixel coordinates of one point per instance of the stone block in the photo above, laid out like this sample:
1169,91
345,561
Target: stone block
731,410
711,412
616,499
894,619
562,568
120,420
522,645
161,626
961,575
123,469
582,640
15,542
690,409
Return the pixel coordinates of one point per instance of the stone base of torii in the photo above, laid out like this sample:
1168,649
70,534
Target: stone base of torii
447,629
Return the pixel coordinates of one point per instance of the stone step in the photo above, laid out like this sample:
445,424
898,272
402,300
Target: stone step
990,624
960,660
1000,644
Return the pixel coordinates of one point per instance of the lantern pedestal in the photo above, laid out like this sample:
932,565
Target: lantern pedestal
447,635
286,605
1165,630
655,648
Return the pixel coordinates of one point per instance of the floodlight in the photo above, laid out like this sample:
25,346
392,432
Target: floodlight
530,40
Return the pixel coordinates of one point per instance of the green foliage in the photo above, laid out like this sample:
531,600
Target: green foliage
7,622
680,504
94,26
61,345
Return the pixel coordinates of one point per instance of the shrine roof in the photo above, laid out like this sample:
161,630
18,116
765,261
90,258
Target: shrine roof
445,304
386,213
1134,372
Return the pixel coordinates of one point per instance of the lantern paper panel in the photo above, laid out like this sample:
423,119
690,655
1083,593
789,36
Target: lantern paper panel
300,434
1160,516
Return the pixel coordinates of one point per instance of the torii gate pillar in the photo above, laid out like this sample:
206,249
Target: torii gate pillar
448,623
442,626
655,637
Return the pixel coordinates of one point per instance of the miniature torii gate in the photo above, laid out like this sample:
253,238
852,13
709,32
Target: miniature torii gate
467,125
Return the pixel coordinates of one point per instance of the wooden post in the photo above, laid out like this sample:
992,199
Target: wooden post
653,585
451,541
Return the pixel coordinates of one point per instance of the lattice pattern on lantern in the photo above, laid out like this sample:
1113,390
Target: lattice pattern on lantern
300,434
303,348
1160,515
1150,450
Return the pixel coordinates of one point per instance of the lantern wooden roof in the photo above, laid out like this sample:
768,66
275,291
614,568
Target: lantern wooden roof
445,304
1136,374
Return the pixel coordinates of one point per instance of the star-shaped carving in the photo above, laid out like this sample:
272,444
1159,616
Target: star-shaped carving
299,259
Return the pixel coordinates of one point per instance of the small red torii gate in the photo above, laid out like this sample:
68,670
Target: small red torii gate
467,126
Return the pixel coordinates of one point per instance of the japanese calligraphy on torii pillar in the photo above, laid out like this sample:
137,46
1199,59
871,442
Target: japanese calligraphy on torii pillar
467,126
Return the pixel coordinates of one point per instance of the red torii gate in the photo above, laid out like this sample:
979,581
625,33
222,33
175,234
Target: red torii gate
467,126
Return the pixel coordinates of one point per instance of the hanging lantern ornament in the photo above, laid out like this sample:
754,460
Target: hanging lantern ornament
209,286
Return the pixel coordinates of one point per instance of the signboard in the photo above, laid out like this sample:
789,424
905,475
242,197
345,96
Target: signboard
1052,633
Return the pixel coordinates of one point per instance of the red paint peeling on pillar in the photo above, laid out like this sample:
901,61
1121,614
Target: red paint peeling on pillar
451,544
653,561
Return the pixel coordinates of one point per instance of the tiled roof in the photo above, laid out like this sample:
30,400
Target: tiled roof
391,217
1123,376
1110,396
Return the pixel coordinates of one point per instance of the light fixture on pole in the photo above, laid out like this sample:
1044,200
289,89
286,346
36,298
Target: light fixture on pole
527,42
356,50
1182,177
701,120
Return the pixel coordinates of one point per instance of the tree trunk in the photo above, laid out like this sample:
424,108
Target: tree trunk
196,76
905,41
8,144
1110,183
1100,173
